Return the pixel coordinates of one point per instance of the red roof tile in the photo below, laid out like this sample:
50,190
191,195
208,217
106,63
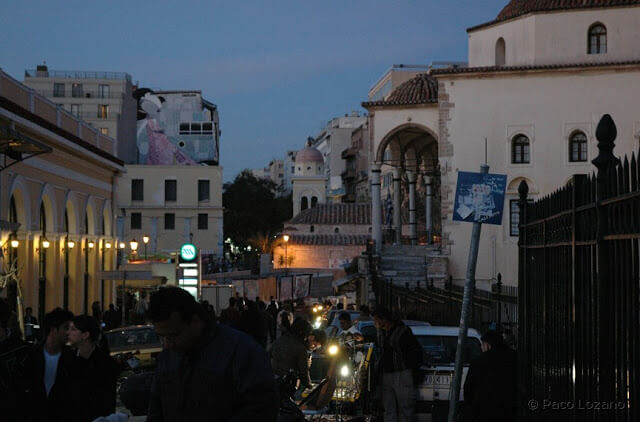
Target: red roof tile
487,69
421,89
329,239
517,8
334,214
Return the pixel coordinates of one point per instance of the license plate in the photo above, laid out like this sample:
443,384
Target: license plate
437,380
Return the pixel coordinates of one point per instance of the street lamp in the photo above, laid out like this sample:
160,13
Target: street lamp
15,243
71,244
145,240
46,244
91,244
286,258
134,245
122,245
107,245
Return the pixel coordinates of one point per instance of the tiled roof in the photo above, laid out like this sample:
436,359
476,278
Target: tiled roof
517,8
485,69
421,89
329,239
334,214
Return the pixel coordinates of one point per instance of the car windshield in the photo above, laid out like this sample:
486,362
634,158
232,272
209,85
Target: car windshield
441,350
133,338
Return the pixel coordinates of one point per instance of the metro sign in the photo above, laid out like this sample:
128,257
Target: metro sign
188,252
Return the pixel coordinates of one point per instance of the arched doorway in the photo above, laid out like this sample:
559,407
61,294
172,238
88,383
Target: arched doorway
408,160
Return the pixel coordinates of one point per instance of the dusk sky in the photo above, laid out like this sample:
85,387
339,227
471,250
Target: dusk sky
276,69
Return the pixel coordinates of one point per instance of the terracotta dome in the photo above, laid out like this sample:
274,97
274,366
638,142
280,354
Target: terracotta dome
309,155
517,8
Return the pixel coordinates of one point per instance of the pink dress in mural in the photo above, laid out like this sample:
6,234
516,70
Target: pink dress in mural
161,150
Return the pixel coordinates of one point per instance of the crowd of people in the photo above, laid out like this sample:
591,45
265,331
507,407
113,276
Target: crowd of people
225,368
67,376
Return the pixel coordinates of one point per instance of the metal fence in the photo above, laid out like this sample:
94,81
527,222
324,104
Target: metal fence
442,306
579,273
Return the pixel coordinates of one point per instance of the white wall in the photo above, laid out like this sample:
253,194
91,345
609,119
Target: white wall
547,107
558,37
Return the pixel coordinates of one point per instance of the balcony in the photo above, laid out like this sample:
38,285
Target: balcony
84,94
349,152
76,74
96,115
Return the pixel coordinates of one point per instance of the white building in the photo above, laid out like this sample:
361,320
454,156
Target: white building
334,138
540,77
309,180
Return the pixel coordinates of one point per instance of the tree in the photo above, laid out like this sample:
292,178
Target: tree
252,211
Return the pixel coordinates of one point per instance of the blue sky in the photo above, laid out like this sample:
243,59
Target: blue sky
276,69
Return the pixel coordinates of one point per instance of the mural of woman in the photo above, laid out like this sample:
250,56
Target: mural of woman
154,146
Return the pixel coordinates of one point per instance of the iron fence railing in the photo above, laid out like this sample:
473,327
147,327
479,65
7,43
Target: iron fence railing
76,74
579,284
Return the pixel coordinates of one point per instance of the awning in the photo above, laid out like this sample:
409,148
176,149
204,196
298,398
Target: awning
18,147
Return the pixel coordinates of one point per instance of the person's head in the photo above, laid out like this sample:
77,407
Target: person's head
317,339
83,329
301,328
345,320
382,318
5,315
28,311
492,340
56,324
261,305
178,319
112,307
364,310
232,302
339,306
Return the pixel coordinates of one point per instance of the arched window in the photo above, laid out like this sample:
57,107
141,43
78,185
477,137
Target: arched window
500,52
314,201
336,230
311,229
520,150
578,147
304,203
597,39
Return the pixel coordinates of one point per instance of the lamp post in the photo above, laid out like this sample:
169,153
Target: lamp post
105,249
68,244
286,258
145,240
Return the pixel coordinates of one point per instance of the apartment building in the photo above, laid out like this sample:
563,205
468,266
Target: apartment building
102,99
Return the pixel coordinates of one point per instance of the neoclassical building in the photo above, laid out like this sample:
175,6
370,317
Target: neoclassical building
56,202
539,78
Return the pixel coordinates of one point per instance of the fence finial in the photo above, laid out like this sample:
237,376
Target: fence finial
606,133
523,189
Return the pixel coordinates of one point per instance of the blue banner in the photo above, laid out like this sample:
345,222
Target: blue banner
479,198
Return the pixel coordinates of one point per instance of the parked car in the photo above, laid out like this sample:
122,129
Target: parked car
138,341
439,345
134,348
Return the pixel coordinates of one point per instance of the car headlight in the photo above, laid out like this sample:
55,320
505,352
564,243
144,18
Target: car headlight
333,350
345,371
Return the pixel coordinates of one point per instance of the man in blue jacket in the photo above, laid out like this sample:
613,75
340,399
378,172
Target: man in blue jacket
206,371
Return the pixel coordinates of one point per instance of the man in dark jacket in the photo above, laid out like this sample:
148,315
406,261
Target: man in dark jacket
93,372
490,388
289,353
400,360
48,371
206,372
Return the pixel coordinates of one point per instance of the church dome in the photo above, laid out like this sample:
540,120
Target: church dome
517,8
309,155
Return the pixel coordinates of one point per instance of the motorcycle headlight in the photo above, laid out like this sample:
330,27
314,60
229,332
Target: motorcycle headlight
345,371
333,350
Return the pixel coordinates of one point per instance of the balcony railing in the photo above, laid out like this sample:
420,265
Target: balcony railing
83,94
76,74
93,115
